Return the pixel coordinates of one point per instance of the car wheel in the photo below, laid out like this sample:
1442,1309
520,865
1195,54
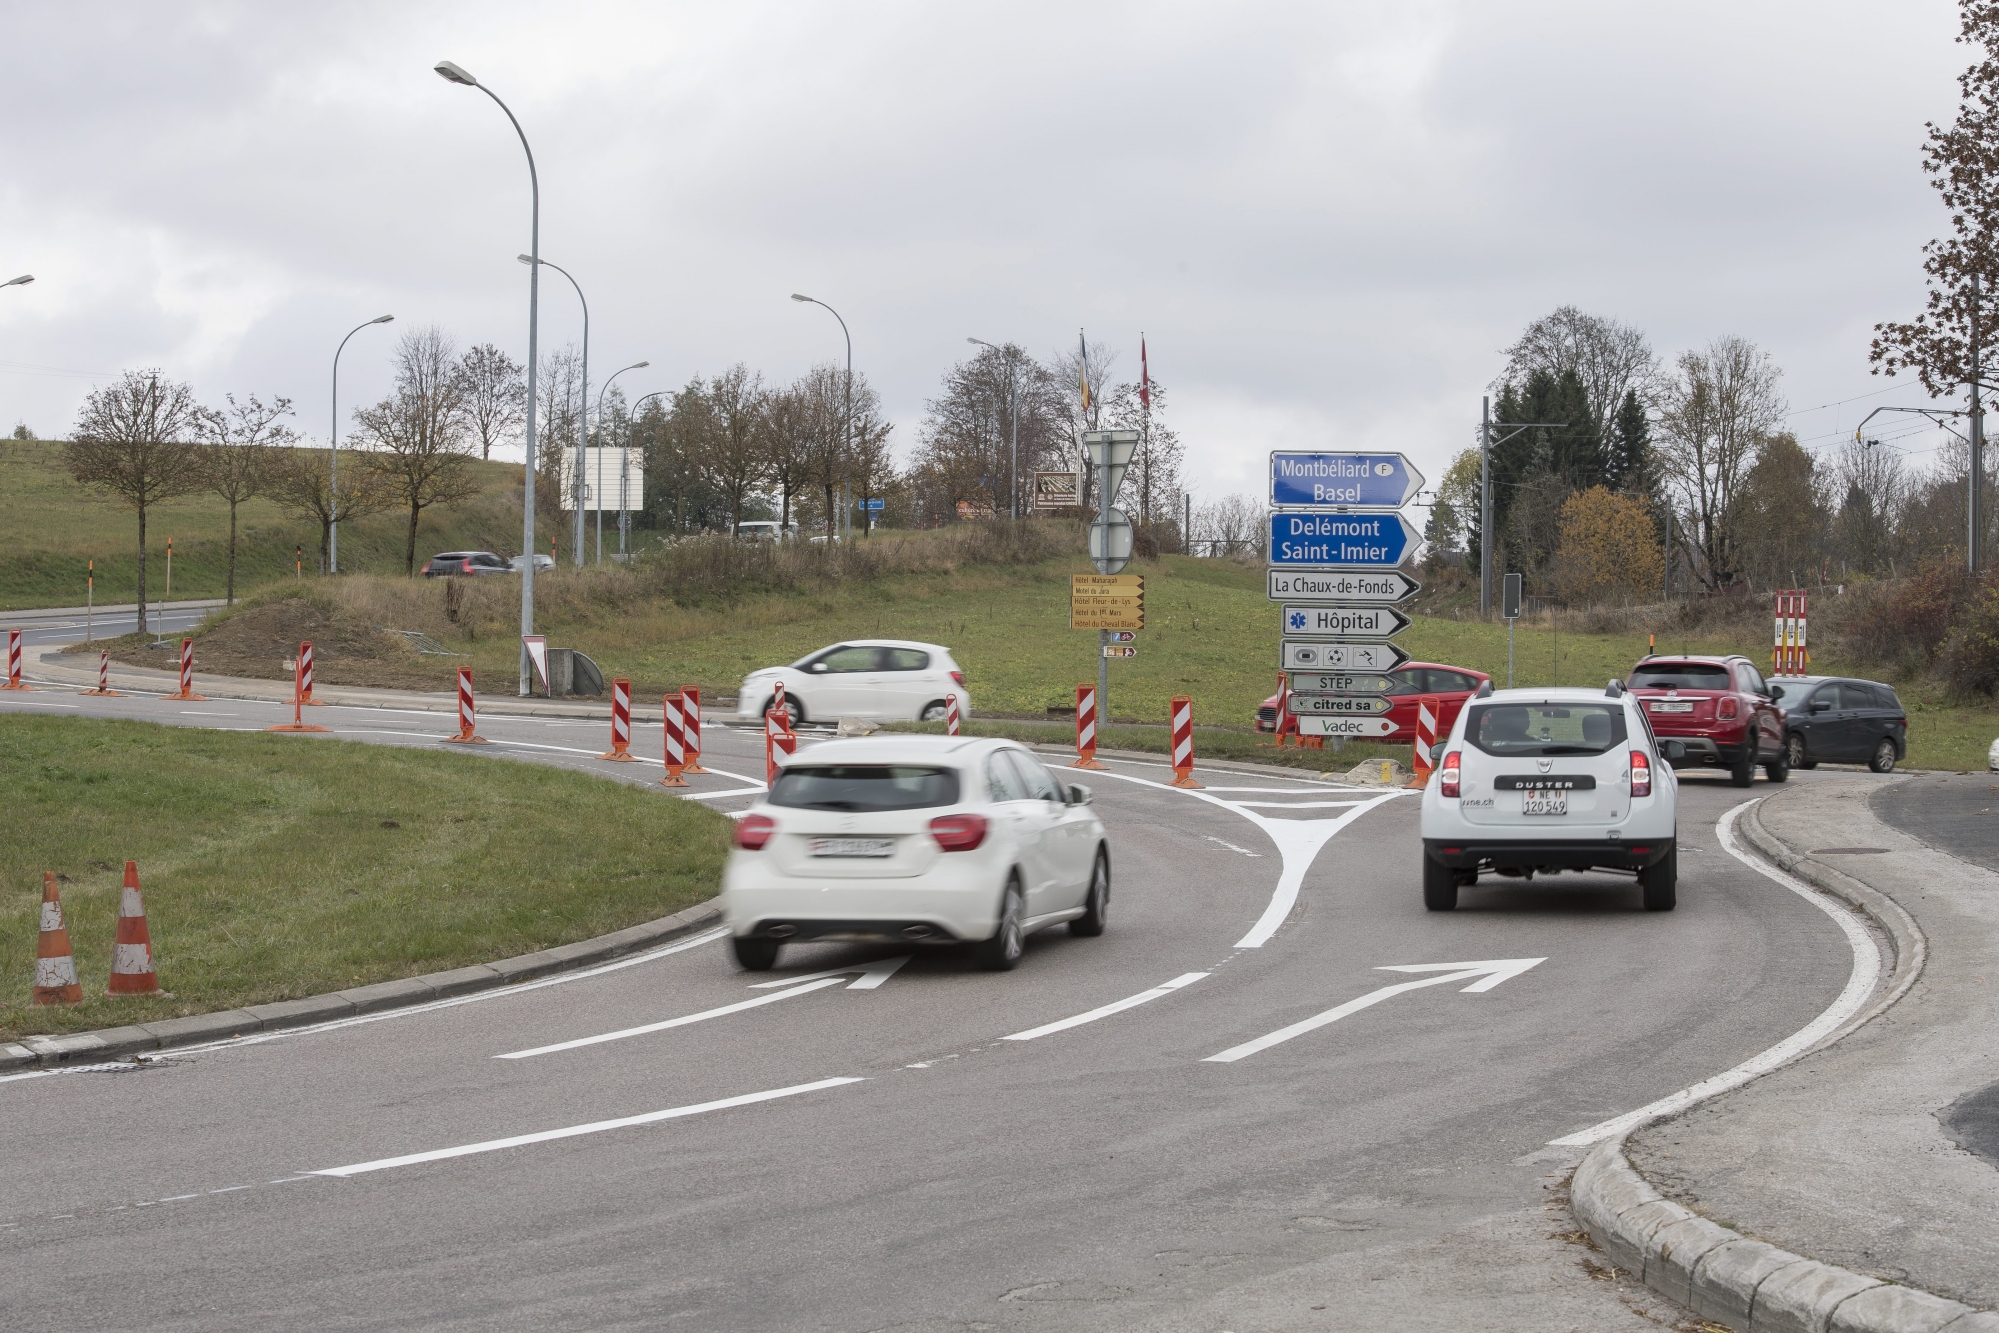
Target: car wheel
1097,905
1003,950
1779,768
932,712
792,708
1884,757
1794,752
1440,886
1744,771
754,955
1660,881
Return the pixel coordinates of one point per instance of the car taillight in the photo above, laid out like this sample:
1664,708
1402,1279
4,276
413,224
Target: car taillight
1448,775
1730,707
753,831
1641,773
958,676
467,566
958,833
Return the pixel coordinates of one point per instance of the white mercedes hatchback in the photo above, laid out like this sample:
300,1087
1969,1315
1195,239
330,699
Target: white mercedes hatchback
887,679
1541,781
915,840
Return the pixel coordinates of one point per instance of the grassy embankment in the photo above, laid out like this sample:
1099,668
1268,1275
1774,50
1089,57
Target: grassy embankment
276,867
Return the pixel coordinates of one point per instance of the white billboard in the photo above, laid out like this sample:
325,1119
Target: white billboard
613,479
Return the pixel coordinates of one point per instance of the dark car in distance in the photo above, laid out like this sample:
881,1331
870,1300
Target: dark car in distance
1836,720
462,564
1719,709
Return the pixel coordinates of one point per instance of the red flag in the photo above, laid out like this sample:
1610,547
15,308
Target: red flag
1144,376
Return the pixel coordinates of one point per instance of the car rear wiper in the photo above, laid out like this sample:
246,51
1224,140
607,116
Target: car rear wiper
833,805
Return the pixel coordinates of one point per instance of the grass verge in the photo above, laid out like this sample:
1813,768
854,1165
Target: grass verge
277,867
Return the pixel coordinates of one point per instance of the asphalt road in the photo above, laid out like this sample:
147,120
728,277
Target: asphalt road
69,624
1388,1169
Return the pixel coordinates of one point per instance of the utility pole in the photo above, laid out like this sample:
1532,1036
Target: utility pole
1486,444
1976,533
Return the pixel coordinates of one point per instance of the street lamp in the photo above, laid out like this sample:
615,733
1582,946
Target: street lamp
625,467
583,426
1013,416
454,74
636,365
846,501
21,281
333,455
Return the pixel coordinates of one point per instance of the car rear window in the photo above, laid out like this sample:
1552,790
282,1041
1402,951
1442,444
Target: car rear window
1679,676
1513,730
907,659
864,787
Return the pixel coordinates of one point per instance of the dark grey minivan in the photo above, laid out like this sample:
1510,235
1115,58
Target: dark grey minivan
1834,720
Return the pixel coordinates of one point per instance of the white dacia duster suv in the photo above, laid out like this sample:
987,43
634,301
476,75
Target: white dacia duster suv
1549,780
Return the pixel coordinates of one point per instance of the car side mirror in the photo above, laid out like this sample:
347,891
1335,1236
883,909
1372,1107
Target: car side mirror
1672,750
1437,753
1078,794
1776,693
1821,706
819,666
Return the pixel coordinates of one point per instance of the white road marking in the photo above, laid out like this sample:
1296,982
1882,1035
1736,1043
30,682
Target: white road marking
1231,846
1860,984
871,978
680,1022
1493,973
594,1127
1315,789
38,703
1130,1002
202,712
1299,805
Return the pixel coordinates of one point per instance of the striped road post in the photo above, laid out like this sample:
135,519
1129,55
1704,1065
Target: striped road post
676,740
468,722
621,723
690,719
103,675
187,674
1183,742
14,662
950,714
1086,727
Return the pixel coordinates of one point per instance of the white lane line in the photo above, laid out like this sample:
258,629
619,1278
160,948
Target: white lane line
871,978
594,1127
1860,985
1223,842
1298,805
680,1022
203,712
1491,975
1316,789
1130,1002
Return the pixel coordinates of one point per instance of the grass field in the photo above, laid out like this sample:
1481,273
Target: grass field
276,867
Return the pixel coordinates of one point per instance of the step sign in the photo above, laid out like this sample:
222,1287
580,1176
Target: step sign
1351,586
1353,728
1309,655
1336,705
1381,541
1343,622
1376,481
1339,682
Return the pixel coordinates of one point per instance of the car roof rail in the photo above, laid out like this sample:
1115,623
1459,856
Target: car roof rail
1484,690
1615,689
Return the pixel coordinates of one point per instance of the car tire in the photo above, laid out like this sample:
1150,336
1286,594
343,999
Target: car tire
1778,769
1097,902
932,711
1795,755
753,954
1883,760
1660,881
1744,771
1440,886
792,708
1003,950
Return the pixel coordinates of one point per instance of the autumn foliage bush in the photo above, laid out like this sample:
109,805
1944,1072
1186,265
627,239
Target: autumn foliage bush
1608,548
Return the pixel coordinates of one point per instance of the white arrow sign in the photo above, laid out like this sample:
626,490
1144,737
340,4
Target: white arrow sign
872,974
1483,976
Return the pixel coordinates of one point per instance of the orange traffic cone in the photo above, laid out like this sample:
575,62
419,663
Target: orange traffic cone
55,965
132,971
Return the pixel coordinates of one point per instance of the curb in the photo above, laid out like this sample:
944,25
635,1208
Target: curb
121,1042
1722,1275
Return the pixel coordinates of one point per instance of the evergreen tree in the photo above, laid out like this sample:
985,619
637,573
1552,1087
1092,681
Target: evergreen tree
1628,463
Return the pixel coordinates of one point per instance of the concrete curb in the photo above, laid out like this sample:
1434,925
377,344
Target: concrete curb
117,1043
1724,1276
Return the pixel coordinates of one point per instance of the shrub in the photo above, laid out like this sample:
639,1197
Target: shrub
1968,659
1906,622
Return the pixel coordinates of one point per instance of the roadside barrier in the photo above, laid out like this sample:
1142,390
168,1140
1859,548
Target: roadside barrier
1283,724
468,722
1086,727
1183,742
1429,709
777,703
55,964
14,662
132,970
690,721
187,693
621,723
676,740
103,676
305,677
950,714
778,737
299,677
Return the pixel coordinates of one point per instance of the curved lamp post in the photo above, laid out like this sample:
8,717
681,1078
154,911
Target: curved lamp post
583,426
454,74
625,466
846,507
636,365
333,455
1013,416
21,281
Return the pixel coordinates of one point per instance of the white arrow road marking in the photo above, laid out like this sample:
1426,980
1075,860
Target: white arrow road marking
1493,973
872,974
571,1131
1117,1007
680,1022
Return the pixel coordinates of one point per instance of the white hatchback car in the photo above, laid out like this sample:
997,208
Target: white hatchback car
915,840
887,679
1551,780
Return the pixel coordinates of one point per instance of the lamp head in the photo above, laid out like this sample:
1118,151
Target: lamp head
796,297
381,319
455,74
21,281
640,365
526,259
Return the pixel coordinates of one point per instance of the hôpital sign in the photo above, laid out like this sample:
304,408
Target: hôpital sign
1343,622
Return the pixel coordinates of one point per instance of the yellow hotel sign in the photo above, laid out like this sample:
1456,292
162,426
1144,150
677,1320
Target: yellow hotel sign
1106,601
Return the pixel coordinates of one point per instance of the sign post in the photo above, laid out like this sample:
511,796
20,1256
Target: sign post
1108,453
1789,657
1509,608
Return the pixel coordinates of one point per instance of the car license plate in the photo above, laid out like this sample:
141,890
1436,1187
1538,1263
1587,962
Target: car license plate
1544,803
853,846
1672,706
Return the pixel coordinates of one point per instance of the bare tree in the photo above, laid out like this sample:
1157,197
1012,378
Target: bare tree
872,464
1072,368
965,447
239,449
737,461
559,384
301,480
787,425
1232,525
1152,485
1715,411
1608,357
420,432
495,394
136,441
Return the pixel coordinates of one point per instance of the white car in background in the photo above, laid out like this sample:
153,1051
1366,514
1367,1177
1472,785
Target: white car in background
890,680
915,840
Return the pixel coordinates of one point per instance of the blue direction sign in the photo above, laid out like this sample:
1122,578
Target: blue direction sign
1378,541
1376,481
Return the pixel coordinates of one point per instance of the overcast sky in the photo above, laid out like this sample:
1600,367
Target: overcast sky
1327,219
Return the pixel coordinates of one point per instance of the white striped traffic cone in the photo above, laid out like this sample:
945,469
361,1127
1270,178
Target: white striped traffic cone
132,970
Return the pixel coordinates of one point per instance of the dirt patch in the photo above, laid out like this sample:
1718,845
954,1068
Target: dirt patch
257,641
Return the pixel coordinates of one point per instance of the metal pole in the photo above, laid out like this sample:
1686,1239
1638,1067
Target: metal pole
636,365
625,468
846,524
582,426
1976,482
333,456
1485,518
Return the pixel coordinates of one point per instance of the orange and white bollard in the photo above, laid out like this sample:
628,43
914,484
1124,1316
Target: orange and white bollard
1281,727
950,715
779,738
777,703
1086,727
1429,710
468,722
298,722
187,693
1183,742
55,963
132,969
690,726
305,677
103,676
676,741
621,723
14,681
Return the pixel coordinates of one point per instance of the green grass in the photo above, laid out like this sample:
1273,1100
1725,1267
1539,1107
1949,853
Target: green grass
269,872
